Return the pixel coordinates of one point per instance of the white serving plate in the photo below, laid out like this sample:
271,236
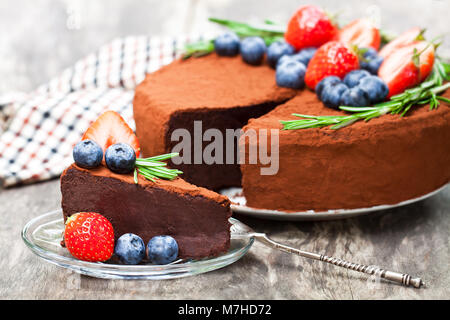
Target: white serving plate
239,206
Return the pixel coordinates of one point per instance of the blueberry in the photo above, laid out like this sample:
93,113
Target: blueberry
277,50
130,248
332,93
291,75
287,58
355,97
253,50
371,61
353,77
372,65
306,55
162,249
325,82
375,88
227,44
370,53
87,154
303,56
120,158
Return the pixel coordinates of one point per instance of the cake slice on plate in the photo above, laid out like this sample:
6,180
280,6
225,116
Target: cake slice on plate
153,201
196,217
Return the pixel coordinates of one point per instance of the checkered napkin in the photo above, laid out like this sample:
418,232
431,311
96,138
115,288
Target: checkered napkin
46,124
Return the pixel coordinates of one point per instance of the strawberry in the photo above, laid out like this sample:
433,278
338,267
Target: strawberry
407,66
332,59
361,33
402,40
110,128
89,236
309,27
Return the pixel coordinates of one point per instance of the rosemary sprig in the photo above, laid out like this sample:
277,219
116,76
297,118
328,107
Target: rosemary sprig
153,168
425,93
269,31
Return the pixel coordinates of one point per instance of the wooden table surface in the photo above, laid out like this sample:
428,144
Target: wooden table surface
413,239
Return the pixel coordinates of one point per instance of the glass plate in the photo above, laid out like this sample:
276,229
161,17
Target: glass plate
43,235
239,206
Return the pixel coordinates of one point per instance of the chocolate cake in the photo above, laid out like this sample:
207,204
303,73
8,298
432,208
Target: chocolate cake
384,161
223,93
196,217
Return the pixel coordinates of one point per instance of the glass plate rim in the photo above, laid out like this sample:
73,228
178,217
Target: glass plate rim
98,269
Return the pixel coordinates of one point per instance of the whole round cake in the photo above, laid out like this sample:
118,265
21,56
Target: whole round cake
327,156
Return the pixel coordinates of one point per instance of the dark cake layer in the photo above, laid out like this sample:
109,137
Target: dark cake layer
223,93
215,175
197,218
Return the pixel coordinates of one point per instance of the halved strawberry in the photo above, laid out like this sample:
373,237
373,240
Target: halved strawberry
310,26
407,66
332,59
110,128
361,33
406,38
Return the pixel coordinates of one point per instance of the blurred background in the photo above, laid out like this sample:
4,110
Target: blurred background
38,39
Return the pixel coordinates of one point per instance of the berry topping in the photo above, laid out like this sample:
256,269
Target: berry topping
277,50
111,128
406,38
332,59
120,158
291,74
361,33
87,154
130,248
375,88
162,250
89,236
253,50
354,97
304,56
353,77
227,44
325,82
310,26
372,64
407,66
331,94
369,53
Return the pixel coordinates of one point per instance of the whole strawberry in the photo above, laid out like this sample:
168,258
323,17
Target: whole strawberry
89,236
310,26
332,59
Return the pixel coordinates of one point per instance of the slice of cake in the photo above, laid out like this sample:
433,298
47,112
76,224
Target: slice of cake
222,92
141,198
196,217
384,161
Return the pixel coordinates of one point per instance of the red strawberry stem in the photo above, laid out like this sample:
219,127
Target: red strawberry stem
426,93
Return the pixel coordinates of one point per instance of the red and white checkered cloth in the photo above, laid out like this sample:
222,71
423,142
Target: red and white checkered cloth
47,123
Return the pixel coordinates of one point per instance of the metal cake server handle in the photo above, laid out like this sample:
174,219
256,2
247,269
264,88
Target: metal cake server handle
241,230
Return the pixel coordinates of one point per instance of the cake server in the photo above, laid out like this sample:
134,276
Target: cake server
242,231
